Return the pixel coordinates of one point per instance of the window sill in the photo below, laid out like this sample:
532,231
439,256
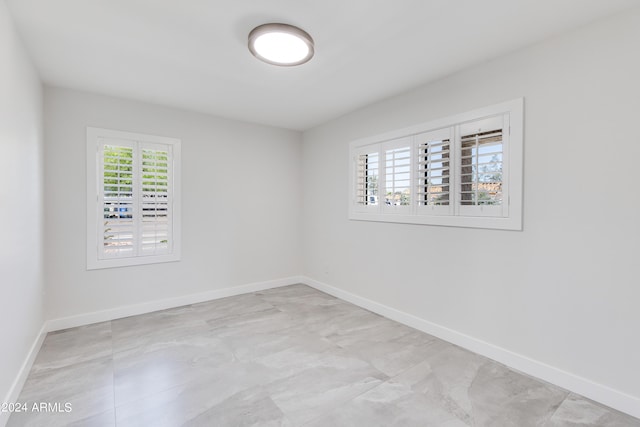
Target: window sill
97,264
494,223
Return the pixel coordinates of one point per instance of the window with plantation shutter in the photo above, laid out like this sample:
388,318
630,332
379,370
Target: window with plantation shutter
156,201
133,209
434,172
397,179
464,171
117,194
368,170
481,166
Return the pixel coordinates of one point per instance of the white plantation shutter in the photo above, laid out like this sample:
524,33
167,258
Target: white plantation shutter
464,170
117,195
397,174
434,170
156,200
367,178
136,196
481,167
137,215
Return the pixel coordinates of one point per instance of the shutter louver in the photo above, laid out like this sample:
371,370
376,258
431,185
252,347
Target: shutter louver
398,176
368,166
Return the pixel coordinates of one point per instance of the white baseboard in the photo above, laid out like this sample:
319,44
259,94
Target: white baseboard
600,393
148,307
23,373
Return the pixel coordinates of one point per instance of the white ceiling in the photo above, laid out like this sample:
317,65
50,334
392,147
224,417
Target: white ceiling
192,54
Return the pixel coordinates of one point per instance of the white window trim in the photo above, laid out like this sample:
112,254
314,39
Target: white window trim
513,183
94,208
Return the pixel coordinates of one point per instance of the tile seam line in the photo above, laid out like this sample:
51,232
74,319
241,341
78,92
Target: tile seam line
319,417
559,405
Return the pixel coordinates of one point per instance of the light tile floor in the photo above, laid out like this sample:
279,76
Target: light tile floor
290,356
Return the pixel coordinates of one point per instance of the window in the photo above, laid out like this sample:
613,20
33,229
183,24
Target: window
461,171
367,179
398,175
433,165
133,199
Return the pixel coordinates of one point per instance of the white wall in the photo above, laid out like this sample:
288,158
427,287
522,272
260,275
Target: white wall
21,279
240,204
564,291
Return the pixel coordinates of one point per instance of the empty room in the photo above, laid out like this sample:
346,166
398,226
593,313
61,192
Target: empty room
337,213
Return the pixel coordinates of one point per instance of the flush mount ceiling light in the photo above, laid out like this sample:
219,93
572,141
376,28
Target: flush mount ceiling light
281,44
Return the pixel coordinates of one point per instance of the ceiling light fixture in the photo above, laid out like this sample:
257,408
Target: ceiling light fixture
281,44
